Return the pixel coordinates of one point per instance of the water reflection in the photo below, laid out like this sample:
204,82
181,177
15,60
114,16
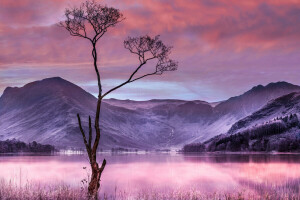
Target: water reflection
205,172
243,158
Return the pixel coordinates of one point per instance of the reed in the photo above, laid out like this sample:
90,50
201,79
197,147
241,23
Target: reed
9,190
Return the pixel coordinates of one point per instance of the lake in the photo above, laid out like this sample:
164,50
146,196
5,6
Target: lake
159,171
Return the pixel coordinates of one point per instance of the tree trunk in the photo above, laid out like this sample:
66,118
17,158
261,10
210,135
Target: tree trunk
94,184
95,181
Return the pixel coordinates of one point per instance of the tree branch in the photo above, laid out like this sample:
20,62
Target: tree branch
124,83
102,166
84,138
90,133
141,46
72,33
150,74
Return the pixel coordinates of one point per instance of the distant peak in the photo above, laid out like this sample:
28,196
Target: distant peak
272,86
8,89
51,80
57,78
257,87
279,83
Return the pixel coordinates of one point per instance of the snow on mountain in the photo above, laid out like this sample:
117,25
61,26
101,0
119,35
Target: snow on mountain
45,111
275,127
277,108
228,112
254,99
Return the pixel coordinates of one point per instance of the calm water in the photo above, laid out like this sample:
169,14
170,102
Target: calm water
215,172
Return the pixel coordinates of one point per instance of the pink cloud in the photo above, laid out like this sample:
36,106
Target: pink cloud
220,35
231,25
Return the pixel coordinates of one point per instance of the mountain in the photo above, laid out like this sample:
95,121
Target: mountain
228,112
254,99
275,127
278,108
45,111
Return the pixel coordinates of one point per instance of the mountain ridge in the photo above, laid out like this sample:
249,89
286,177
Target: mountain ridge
46,110
274,127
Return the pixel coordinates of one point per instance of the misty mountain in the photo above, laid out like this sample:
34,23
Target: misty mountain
45,111
277,108
254,99
275,127
228,112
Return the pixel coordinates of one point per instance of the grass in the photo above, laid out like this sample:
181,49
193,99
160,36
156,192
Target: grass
31,191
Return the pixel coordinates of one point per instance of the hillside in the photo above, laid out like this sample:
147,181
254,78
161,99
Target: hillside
45,111
275,127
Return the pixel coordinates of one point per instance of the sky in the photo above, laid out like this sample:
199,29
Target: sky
223,47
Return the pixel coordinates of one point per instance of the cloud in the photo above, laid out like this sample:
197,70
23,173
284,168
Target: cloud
210,37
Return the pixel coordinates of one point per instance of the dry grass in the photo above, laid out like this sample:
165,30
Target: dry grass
30,191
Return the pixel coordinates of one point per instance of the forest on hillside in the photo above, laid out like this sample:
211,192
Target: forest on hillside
281,134
15,146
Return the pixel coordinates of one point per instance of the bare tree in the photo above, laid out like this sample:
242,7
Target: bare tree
91,21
